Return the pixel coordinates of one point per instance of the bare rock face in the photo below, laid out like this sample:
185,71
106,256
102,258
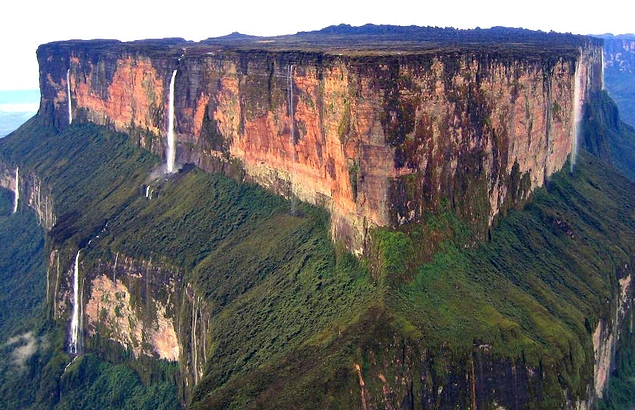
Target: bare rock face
32,192
134,303
605,338
377,138
131,303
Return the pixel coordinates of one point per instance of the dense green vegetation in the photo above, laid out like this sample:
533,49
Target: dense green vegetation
533,290
89,171
533,294
22,296
92,173
22,270
295,320
90,383
241,247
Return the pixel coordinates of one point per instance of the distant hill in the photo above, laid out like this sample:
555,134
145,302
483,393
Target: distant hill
619,55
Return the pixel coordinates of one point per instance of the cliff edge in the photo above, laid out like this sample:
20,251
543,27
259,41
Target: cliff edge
377,124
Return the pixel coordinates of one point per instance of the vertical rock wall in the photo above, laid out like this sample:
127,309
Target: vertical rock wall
377,140
33,193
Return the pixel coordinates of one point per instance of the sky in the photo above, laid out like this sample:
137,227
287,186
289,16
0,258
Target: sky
29,23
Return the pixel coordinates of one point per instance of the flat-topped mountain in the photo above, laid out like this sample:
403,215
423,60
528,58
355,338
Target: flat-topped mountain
356,217
377,40
375,123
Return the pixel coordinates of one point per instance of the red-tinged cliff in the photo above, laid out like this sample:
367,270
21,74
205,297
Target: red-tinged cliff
428,131
380,135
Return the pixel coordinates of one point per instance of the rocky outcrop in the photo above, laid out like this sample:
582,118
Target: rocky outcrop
33,193
142,307
134,304
606,336
378,138
194,331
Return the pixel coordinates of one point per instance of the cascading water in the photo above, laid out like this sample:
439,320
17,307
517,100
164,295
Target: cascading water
68,96
16,198
603,87
577,114
171,153
74,345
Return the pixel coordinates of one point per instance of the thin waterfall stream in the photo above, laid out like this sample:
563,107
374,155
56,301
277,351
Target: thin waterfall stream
171,152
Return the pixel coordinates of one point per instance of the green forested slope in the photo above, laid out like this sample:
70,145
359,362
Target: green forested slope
534,293
295,316
22,270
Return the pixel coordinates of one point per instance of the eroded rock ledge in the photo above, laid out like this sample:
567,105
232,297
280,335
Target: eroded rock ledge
377,130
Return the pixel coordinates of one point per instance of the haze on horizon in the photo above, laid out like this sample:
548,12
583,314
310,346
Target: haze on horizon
31,23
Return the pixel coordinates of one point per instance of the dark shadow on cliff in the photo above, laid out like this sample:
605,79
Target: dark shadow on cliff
606,136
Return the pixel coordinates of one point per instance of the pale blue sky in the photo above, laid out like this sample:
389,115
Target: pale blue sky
26,24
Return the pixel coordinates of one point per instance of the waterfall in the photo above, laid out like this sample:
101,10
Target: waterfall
576,114
194,348
199,332
16,198
603,86
114,269
74,345
68,96
171,154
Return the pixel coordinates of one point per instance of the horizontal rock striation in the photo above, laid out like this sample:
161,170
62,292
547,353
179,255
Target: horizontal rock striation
379,137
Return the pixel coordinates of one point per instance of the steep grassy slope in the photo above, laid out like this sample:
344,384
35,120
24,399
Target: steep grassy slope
91,172
22,270
271,280
298,322
532,297
537,288
238,245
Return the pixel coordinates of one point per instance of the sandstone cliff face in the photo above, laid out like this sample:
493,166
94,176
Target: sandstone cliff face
606,336
132,303
32,192
377,140
139,306
478,381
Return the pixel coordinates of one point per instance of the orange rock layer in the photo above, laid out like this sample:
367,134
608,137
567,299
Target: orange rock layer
378,141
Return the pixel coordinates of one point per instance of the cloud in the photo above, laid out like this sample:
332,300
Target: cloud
25,346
